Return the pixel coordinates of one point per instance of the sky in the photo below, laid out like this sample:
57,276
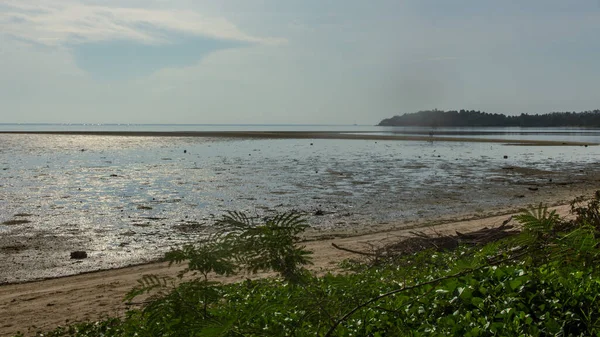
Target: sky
293,61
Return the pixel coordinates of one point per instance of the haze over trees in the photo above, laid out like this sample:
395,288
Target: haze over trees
440,118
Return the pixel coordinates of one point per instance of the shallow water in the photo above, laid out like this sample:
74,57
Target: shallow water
128,199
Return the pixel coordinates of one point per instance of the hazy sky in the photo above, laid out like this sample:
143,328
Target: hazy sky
300,61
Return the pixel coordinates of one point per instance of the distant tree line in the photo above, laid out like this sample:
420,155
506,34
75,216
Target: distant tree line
440,118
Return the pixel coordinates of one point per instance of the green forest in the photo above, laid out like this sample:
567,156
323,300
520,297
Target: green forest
466,118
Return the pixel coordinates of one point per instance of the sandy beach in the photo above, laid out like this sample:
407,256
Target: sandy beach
42,305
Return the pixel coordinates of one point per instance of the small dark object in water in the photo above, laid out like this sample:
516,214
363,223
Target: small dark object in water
505,157
585,145
319,212
82,150
114,175
520,196
78,255
184,151
311,144
532,188
550,180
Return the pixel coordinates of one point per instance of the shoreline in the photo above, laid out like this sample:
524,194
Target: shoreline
93,295
301,135
163,198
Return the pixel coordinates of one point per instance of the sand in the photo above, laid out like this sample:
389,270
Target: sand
44,305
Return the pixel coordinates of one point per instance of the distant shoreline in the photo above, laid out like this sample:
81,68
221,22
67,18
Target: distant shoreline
301,135
472,118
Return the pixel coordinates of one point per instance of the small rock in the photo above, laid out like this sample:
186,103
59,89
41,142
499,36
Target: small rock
78,255
184,151
532,188
319,212
505,157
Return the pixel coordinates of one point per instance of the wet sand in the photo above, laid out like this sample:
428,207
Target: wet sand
42,305
302,135
127,200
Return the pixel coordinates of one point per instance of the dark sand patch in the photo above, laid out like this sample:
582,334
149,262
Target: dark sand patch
13,248
526,170
15,222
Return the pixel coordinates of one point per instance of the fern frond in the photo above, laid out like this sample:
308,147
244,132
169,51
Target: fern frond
147,284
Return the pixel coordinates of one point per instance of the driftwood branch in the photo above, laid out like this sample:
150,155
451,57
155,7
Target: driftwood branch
354,251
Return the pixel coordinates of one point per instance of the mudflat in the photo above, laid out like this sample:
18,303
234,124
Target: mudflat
303,135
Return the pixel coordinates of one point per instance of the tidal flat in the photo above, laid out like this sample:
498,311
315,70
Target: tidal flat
126,200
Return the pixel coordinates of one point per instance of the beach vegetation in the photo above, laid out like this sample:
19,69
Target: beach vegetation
544,281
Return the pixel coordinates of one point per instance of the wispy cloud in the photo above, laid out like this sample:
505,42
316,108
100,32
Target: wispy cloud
59,22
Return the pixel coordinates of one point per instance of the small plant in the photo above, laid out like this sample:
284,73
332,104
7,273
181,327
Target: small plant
272,245
587,211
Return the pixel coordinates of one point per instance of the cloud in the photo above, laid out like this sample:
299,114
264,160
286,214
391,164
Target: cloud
115,60
61,22
114,43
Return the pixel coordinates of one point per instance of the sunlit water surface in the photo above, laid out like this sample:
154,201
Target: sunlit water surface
128,199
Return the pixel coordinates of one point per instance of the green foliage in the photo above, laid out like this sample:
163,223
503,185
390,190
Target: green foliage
268,246
587,211
211,255
544,282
